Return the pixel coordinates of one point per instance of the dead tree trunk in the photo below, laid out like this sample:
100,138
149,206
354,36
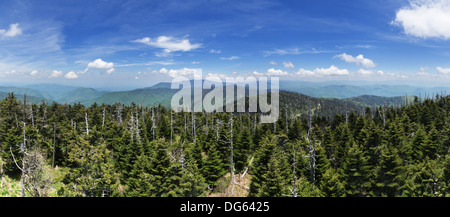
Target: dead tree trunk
153,123
138,136
54,144
171,126
233,181
87,123
32,116
119,114
24,109
103,118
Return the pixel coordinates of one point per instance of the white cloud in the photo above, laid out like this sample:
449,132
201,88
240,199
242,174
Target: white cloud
365,72
13,30
169,44
34,72
443,70
370,72
10,72
295,51
100,64
229,58
359,60
331,71
215,51
56,74
273,63
215,75
273,71
257,73
425,18
187,72
71,75
288,65
283,51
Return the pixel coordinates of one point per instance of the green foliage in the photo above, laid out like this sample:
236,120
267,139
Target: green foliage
375,151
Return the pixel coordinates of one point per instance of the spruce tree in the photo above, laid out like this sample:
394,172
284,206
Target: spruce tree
260,167
388,173
273,183
355,172
213,167
242,150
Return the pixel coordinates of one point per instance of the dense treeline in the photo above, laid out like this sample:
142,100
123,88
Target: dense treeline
117,150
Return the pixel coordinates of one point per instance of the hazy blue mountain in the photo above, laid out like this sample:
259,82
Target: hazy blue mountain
81,95
146,97
346,91
52,91
22,91
30,99
370,100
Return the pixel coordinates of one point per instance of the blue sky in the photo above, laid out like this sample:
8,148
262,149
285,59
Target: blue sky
132,44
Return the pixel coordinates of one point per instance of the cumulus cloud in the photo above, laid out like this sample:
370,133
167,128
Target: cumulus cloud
71,75
365,72
443,70
13,30
425,18
273,71
169,44
288,65
187,72
100,64
257,73
370,72
56,74
34,72
359,60
320,72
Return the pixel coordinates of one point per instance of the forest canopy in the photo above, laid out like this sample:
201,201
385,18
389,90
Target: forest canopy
54,149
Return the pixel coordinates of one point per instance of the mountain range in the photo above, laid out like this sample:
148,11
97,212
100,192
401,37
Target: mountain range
292,94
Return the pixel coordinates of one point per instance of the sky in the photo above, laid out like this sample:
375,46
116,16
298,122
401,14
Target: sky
132,44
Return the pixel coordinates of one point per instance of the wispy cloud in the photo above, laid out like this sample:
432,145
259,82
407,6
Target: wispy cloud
230,58
169,44
294,51
215,51
443,70
164,63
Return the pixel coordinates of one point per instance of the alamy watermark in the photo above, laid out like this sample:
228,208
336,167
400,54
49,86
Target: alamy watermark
257,89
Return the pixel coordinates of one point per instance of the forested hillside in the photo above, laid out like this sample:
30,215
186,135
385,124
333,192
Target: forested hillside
134,150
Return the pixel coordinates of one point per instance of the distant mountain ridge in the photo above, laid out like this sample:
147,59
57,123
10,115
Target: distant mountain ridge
293,94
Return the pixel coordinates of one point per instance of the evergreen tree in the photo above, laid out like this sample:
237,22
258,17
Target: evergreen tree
192,183
355,172
242,150
388,172
213,167
260,167
273,183
160,165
